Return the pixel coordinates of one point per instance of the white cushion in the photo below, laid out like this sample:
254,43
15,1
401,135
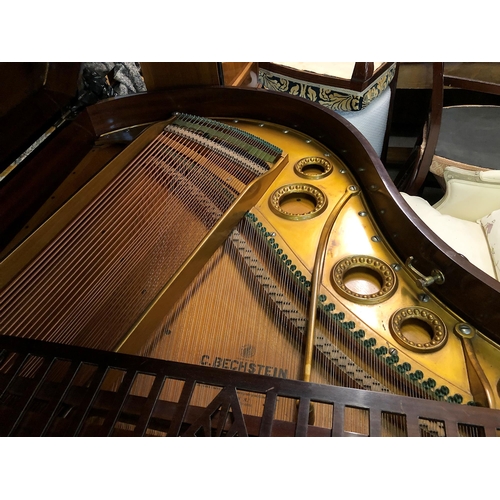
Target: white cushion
490,176
491,227
469,194
465,237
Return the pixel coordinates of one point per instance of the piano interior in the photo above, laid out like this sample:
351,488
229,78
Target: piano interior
234,269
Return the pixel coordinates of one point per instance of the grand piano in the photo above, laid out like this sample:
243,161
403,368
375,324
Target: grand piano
228,261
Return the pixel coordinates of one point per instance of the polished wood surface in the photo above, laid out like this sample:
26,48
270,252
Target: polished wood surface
32,98
161,75
362,72
244,74
29,187
24,80
418,75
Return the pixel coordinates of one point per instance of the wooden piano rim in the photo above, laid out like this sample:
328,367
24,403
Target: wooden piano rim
404,231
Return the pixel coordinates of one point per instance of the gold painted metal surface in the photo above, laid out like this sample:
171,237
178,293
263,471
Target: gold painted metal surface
356,233
317,277
319,265
480,385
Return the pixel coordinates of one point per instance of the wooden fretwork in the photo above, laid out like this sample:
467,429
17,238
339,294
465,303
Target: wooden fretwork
57,390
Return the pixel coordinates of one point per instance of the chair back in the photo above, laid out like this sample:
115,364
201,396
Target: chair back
412,176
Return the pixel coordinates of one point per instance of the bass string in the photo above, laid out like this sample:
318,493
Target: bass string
224,207
121,207
66,254
164,327
66,234
160,254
